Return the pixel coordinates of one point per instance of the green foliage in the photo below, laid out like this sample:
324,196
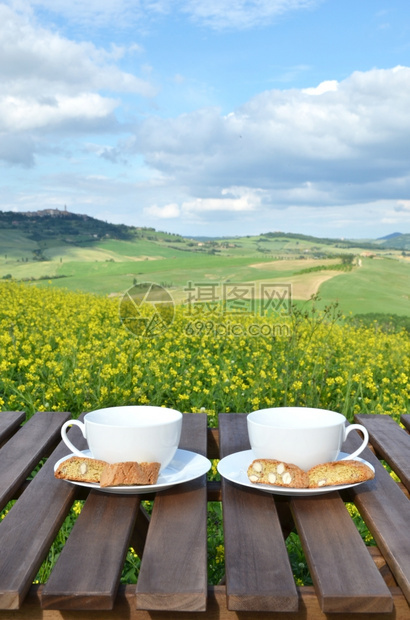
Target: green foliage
298,560
340,267
389,323
215,538
43,225
339,243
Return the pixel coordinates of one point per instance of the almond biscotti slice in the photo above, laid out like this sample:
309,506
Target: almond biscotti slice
339,472
80,469
278,473
129,473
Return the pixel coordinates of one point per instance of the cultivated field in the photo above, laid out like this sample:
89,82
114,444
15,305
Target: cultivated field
109,267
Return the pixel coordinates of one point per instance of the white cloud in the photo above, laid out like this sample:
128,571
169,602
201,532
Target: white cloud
247,201
232,201
18,114
335,128
53,84
348,142
36,60
324,87
168,211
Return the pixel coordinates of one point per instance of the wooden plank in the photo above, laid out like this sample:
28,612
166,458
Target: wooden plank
20,455
386,512
391,442
173,574
258,572
344,575
125,608
382,567
29,528
213,443
88,570
405,420
10,422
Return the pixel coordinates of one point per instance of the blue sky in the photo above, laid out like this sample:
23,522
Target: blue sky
209,117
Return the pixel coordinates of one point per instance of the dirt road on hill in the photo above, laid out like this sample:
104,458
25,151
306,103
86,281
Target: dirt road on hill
308,284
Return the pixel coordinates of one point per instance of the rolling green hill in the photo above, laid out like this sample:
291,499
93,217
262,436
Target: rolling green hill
57,248
379,283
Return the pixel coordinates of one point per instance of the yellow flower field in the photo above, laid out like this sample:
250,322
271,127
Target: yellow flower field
70,351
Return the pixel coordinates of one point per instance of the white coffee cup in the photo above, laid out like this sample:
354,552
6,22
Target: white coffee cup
300,435
131,433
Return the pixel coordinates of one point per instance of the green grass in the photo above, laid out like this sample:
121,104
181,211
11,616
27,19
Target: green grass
14,245
380,285
111,266
105,277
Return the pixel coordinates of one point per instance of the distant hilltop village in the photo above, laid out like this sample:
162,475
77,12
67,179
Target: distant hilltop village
54,223
53,213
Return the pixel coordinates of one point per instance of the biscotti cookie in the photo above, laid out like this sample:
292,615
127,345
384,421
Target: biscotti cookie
129,474
339,472
80,469
278,473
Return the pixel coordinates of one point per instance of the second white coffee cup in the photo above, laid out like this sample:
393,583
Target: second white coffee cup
300,435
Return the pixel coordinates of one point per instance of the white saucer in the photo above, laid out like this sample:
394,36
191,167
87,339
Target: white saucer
185,466
235,466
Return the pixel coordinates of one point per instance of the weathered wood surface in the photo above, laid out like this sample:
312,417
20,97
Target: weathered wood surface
385,509
29,528
391,442
9,423
23,451
46,501
173,574
258,572
124,608
88,570
344,574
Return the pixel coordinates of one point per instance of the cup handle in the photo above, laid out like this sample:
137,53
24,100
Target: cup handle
364,443
67,442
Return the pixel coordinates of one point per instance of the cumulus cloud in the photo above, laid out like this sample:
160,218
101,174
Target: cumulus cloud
232,200
82,112
53,84
37,60
328,145
169,211
231,203
323,87
357,128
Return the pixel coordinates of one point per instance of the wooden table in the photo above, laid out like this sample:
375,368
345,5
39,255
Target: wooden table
351,580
